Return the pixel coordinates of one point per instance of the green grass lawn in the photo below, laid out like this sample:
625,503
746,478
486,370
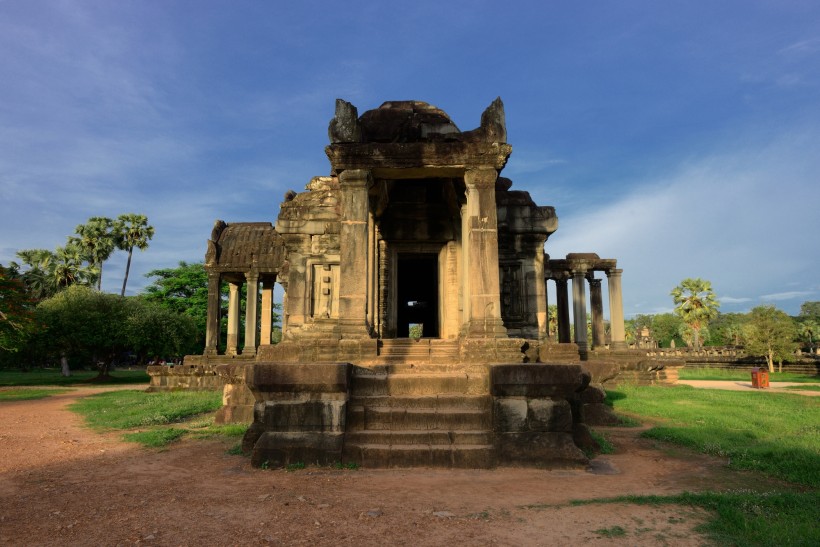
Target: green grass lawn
706,373
777,434
52,377
774,433
28,394
145,417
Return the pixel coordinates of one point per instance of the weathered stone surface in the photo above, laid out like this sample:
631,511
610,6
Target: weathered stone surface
549,415
307,377
311,415
597,414
278,449
344,127
538,380
510,415
539,449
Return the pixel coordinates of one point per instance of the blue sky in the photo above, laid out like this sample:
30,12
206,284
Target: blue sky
681,138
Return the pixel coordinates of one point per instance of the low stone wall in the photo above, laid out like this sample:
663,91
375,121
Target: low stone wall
300,413
533,419
184,377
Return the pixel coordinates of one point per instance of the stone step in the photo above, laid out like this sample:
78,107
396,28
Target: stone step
419,438
408,368
459,456
418,384
361,418
441,402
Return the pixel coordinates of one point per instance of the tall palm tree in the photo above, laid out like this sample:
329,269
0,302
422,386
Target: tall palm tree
695,304
68,268
96,240
132,231
37,278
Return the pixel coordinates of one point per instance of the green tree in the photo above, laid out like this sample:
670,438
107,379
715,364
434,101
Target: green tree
665,328
16,312
696,304
152,330
184,290
635,325
83,323
96,241
808,332
132,231
770,333
37,276
810,310
727,329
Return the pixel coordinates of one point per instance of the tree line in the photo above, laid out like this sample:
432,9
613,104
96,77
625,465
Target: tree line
765,331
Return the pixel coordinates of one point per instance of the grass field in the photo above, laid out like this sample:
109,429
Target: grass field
52,377
145,417
774,433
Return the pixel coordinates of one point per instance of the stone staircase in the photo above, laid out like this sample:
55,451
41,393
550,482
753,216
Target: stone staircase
419,415
425,350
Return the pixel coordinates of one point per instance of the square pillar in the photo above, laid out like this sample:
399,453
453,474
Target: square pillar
579,310
354,253
597,306
252,293
562,301
214,303
233,319
266,318
480,243
616,309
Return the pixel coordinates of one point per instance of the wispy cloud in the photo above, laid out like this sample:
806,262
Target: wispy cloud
789,295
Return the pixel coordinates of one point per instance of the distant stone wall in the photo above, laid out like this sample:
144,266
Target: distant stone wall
184,377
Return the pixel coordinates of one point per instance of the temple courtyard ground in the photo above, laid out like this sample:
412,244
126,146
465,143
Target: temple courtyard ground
63,484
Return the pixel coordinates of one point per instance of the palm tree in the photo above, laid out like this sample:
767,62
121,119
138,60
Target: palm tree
132,230
37,278
68,268
96,242
695,304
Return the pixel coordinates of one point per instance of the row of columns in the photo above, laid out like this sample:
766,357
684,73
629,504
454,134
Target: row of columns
579,309
252,316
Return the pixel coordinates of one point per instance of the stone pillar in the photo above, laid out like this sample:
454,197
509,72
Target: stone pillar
579,309
266,320
284,308
562,301
214,302
616,309
541,304
484,319
251,295
597,306
233,319
353,251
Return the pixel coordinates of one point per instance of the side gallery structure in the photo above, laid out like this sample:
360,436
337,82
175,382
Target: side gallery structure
414,324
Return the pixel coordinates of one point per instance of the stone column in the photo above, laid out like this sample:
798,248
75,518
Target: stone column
484,319
562,301
251,295
214,302
285,313
233,319
616,309
541,304
266,320
353,251
579,309
597,305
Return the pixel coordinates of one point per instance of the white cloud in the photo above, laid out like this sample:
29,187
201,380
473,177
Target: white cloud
789,295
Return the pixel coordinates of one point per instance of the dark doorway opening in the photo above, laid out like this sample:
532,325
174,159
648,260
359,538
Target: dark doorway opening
417,294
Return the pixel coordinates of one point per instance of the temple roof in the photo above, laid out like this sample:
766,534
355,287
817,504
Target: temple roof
245,246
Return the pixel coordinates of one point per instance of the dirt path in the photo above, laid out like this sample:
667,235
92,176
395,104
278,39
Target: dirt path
741,385
61,483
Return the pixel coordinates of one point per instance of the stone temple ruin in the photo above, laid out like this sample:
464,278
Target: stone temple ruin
414,319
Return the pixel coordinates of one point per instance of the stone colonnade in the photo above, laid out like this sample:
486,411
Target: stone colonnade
580,268
256,321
